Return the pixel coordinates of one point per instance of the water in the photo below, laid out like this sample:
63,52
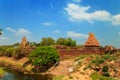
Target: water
14,75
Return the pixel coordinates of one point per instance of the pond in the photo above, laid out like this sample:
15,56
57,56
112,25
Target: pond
14,75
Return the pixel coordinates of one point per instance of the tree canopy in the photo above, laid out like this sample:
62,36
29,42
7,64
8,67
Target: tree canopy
47,41
44,56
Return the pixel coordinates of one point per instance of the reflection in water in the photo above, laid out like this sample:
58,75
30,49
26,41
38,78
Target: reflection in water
14,75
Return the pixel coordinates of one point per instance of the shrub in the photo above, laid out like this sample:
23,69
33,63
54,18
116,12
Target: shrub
96,76
17,53
9,51
106,74
44,56
105,69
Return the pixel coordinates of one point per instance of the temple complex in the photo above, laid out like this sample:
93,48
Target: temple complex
92,41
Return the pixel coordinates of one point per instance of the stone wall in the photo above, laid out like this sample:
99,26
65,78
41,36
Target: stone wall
66,52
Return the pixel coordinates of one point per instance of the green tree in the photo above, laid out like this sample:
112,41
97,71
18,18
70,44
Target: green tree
44,56
47,41
70,42
9,51
61,41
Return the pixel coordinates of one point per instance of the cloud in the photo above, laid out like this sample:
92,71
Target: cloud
3,38
19,32
76,35
10,29
116,20
22,31
76,0
78,13
48,23
56,31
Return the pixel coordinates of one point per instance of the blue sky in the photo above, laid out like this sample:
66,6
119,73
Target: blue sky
60,18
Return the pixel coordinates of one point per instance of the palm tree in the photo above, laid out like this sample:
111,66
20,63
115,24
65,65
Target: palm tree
0,31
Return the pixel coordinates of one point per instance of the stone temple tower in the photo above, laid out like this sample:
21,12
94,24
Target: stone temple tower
92,41
24,42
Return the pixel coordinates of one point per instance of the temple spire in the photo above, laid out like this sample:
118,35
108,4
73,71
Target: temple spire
92,41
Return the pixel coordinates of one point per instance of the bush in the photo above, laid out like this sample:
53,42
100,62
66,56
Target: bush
44,56
106,74
17,53
105,69
9,51
96,76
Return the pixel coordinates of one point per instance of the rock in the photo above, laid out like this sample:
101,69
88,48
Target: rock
71,69
92,41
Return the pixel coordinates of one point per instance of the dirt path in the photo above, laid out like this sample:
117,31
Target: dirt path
62,68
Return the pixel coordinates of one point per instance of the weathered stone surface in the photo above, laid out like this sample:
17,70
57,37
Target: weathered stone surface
92,41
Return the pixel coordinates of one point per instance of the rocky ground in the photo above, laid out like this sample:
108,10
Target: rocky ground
90,67
83,67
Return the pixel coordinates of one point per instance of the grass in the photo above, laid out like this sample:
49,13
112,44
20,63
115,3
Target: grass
2,72
58,77
96,76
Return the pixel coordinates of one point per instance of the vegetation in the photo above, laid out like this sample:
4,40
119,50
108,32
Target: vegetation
44,56
58,77
9,51
66,42
47,41
2,72
96,76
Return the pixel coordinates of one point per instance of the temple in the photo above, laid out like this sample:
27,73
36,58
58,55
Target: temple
92,41
24,43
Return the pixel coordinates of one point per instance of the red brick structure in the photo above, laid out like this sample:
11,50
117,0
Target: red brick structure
91,46
92,41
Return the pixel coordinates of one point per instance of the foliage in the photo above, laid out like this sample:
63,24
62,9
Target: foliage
2,72
58,77
17,53
66,42
44,56
9,51
106,74
96,76
70,42
105,69
47,41
61,41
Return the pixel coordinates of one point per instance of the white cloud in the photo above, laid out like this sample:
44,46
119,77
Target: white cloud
19,32
76,0
78,13
10,29
22,31
116,20
76,35
48,23
56,31
3,38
